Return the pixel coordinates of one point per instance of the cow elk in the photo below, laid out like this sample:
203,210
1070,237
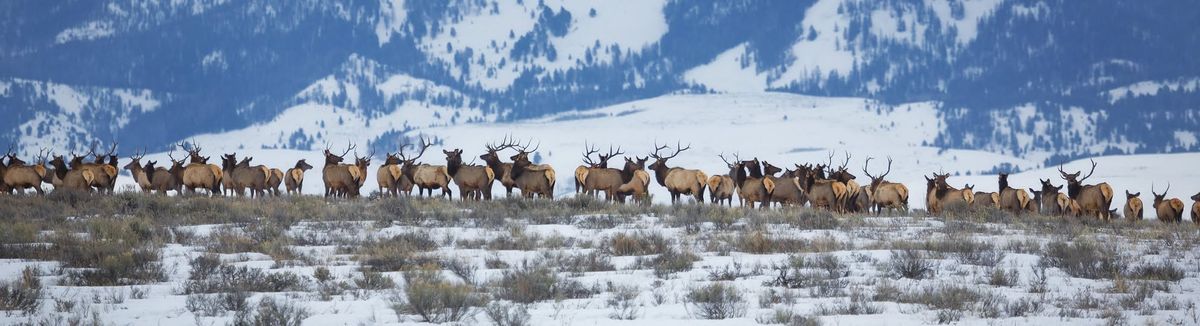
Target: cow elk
70,179
106,174
1094,200
639,181
787,190
140,175
677,180
1133,206
20,175
473,181
533,179
199,174
390,174
752,186
885,194
950,197
294,178
721,188
274,181
1168,210
1010,199
1196,208
841,174
241,176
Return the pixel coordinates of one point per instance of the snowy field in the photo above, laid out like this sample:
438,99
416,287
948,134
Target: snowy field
577,262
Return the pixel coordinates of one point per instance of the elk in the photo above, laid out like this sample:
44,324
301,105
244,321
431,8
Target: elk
294,179
787,186
677,180
1168,210
200,174
947,196
389,175
532,178
427,177
359,170
503,171
337,176
1133,205
1196,208
985,199
240,175
841,174
822,193
720,189
70,179
639,181
140,175
20,176
1094,200
3,170
274,181
473,181
1010,199
599,177
886,194
162,179
752,187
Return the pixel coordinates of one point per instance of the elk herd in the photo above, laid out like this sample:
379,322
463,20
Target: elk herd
756,183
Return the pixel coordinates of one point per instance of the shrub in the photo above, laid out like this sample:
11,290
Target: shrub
1162,271
976,253
210,305
462,268
397,253
910,263
374,281
207,278
578,263
1084,259
22,294
436,300
623,303
532,282
859,305
635,244
669,262
272,312
116,253
716,301
503,313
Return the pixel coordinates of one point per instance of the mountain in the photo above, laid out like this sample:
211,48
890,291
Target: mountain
1043,80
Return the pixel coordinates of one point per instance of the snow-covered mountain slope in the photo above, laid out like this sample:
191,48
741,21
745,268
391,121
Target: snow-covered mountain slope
776,127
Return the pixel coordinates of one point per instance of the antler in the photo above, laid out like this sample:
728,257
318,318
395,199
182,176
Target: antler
885,173
505,143
678,150
112,149
1094,171
524,148
349,147
735,159
611,153
424,145
847,162
587,155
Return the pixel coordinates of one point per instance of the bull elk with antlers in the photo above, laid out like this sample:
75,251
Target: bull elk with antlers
294,178
140,175
340,179
841,174
597,176
532,179
1168,210
677,180
473,181
885,194
1094,200
1134,208
503,170
426,176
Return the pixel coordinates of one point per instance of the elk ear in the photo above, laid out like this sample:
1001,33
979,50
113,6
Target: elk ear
1058,188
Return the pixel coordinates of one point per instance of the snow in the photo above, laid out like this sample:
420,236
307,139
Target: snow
823,54
391,21
628,24
89,31
1151,88
729,73
973,12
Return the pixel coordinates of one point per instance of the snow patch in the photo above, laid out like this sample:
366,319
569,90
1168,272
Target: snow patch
90,31
391,20
1151,88
731,72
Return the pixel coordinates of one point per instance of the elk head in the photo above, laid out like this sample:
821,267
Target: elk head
1158,198
876,180
1074,182
602,162
1003,178
841,173
228,161
409,164
60,166
522,157
194,153
769,169
1196,197
1048,189
737,170
660,161
304,166
492,156
391,159
135,161
753,167
1129,195
334,159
